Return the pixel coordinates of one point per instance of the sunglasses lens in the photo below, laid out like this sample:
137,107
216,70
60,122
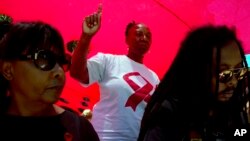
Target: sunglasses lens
64,62
225,76
242,72
45,60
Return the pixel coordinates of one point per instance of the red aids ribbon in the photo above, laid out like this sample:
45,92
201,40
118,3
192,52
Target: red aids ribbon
141,93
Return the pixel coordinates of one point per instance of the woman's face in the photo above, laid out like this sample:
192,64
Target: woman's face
28,83
231,60
139,39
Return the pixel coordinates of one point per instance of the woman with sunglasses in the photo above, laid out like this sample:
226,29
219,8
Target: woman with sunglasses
33,65
203,95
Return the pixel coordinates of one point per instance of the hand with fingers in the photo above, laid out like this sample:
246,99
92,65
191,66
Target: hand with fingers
92,23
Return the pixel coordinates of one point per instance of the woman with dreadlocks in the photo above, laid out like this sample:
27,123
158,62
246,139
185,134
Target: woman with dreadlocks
203,95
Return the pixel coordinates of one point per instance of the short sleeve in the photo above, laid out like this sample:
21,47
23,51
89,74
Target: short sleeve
96,68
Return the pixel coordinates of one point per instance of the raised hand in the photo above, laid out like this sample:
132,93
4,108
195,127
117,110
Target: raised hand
92,23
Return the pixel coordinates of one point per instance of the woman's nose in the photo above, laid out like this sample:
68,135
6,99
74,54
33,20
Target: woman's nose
58,72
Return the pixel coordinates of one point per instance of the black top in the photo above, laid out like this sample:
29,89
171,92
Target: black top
63,127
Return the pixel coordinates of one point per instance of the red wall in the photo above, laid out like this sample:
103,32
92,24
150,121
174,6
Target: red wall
168,20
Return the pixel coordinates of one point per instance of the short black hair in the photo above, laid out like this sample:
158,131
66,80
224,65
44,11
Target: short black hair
28,37
129,26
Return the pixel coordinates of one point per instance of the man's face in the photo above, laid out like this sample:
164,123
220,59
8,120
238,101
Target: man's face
231,61
139,39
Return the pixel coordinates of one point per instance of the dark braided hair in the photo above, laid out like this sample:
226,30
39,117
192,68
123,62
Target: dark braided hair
184,96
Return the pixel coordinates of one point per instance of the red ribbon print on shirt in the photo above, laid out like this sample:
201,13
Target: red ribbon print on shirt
141,93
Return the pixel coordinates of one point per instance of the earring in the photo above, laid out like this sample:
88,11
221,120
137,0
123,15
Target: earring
8,76
6,71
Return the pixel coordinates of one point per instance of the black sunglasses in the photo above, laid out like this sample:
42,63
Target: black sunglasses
46,60
227,75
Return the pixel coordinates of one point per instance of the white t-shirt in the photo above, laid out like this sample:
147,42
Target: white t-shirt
125,87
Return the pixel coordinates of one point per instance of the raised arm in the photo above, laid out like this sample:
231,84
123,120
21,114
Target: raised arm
91,26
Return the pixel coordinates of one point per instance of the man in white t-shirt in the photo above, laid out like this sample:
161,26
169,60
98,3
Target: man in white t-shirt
126,84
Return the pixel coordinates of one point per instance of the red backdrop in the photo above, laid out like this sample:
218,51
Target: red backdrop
169,21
